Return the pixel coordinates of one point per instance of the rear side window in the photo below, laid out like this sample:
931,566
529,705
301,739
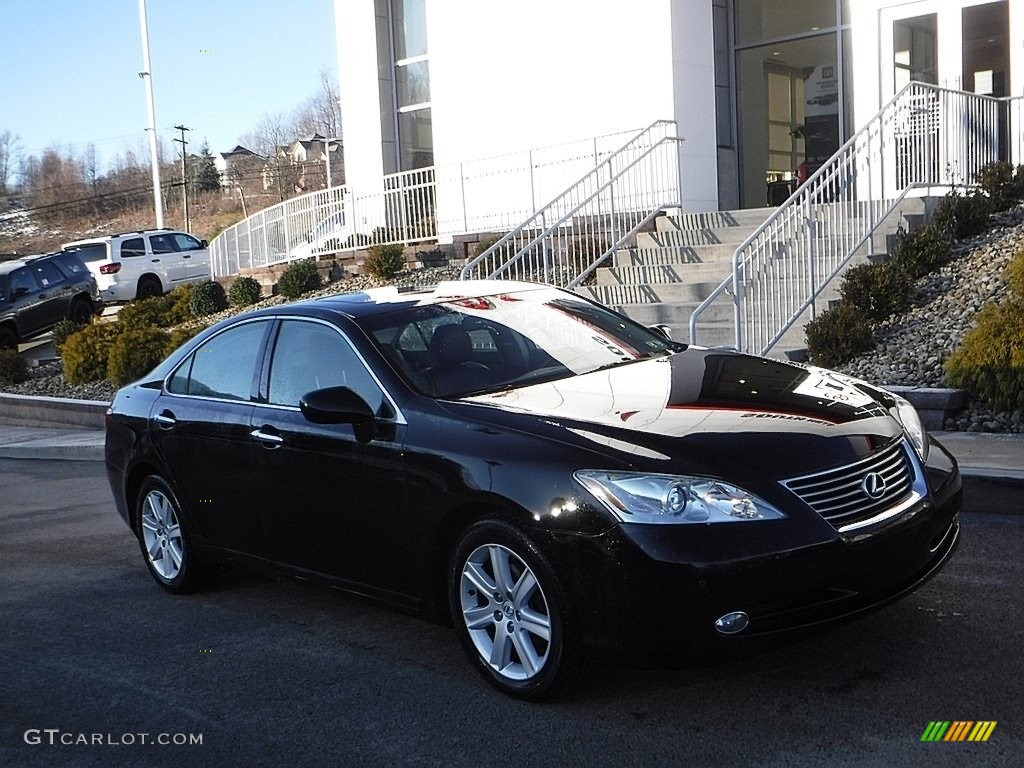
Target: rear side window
90,252
134,247
70,265
222,367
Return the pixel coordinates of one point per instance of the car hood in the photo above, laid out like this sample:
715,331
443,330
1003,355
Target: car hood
711,410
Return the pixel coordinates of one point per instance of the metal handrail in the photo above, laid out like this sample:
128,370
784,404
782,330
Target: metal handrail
591,201
925,136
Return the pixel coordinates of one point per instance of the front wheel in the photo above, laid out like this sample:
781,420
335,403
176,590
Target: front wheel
511,613
164,539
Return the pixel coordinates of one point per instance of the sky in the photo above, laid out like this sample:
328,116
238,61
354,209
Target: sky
71,69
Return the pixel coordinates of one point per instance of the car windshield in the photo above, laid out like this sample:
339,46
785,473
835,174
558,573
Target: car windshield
491,343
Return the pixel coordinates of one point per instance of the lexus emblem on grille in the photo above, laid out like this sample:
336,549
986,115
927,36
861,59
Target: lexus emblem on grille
873,485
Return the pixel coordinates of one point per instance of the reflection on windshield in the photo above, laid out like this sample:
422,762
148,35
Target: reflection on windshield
489,343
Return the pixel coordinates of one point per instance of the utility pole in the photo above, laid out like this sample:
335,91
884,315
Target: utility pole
184,173
147,78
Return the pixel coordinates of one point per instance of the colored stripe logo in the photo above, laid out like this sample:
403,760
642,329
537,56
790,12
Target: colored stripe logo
959,730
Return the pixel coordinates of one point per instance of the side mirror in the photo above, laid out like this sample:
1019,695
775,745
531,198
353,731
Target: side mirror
204,244
339,405
662,330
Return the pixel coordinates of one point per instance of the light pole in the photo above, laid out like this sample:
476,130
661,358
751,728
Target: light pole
327,159
147,78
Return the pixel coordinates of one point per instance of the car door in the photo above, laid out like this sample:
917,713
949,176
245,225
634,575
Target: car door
331,503
194,255
167,261
28,301
54,292
200,426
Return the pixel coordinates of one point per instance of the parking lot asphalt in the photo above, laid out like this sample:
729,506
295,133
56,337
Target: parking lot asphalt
283,673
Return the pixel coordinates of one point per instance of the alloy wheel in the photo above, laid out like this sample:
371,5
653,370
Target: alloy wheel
161,534
505,612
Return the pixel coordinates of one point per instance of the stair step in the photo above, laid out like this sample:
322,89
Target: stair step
740,218
703,236
711,273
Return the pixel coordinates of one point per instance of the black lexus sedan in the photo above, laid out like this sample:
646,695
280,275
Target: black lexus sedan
546,475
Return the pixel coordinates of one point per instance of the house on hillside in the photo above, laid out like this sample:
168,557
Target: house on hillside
237,165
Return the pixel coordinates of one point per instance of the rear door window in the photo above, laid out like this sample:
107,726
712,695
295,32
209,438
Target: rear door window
223,367
161,244
136,246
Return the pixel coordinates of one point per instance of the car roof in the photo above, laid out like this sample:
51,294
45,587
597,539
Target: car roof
6,267
108,238
375,301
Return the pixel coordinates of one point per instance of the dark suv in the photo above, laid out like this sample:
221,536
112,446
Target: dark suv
38,292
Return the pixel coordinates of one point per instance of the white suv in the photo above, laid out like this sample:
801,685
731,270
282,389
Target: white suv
137,265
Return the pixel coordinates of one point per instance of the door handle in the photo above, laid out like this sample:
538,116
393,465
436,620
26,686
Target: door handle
268,439
186,256
165,420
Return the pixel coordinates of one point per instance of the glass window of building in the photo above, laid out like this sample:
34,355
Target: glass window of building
768,19
412,84
915,50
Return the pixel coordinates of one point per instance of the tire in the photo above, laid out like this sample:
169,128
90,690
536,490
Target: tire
164,539
527,645
148,288
8,338
80,311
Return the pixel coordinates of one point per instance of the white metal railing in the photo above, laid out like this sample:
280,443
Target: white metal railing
569,237
925,137
489,194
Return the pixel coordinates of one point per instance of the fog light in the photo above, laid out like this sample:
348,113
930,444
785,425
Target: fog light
732,623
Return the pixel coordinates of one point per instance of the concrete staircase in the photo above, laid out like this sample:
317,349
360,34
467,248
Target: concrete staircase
669,272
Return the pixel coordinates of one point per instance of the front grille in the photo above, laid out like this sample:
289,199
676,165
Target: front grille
841,495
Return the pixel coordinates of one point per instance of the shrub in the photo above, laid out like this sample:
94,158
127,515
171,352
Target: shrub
244,291
13,367
85,352
179,336
921,252
208,298
134,353
164,311
878,290
1014,274
990,362
963,215
1003,184
61,331
299,278
837,335
484,244
385,261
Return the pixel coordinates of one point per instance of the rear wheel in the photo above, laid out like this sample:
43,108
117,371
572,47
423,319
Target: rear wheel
80,311
8,338
165,539
148,288
512,614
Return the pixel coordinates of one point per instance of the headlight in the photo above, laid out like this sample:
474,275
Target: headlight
912,425
646,498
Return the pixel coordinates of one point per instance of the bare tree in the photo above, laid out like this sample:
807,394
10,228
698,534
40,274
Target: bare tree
8,150
320,113
271,139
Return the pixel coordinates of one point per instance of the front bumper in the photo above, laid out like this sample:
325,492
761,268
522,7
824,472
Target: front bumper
659,589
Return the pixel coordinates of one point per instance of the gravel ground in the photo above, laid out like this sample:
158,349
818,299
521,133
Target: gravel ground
911,348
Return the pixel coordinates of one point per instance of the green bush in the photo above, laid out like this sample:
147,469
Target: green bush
484,244
13,367
837,335
385,261
1003,184
299,278
244,291
990,362
921,252
165,311
1014,274
85,352
208,298
878,290
963,215
61,331
179,336
134,353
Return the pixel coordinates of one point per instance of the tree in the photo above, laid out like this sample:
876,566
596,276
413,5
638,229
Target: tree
320,113
8,149
207,178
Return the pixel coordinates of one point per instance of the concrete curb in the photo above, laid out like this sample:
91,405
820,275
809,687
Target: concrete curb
53,452
60,412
